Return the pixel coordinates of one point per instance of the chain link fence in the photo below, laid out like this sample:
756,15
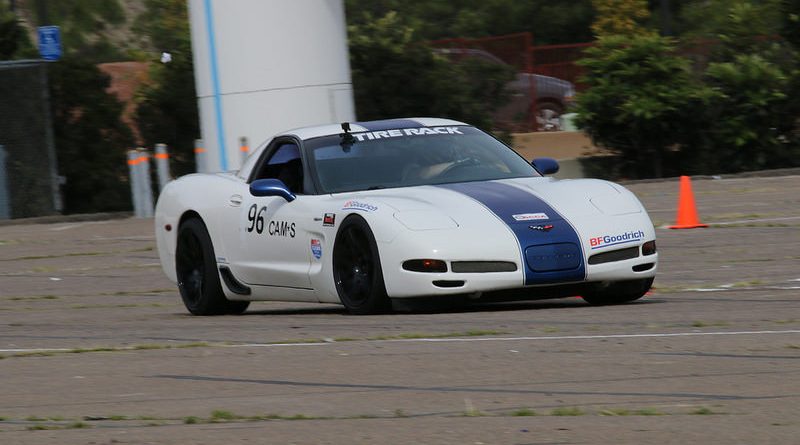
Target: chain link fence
29,185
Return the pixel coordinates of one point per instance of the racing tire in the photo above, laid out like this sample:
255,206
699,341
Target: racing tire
198,278
357,271
619,292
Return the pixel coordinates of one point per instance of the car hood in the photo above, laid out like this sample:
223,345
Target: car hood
514,201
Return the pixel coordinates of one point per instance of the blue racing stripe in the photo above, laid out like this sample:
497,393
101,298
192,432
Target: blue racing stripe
549,254
390,124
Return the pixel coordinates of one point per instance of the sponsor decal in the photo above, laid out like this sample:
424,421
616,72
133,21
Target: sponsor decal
542,227
329,219
599,242
363,206
530,216
316,248
281,228
422,131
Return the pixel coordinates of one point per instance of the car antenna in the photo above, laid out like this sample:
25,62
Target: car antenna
347,138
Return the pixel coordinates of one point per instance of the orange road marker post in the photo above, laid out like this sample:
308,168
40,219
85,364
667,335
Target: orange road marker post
200,157
244,148
687,211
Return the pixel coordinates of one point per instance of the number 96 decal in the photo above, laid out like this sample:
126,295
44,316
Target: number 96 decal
256,222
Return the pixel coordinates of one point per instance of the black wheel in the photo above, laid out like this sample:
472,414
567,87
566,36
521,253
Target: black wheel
619,292
357,268
198,278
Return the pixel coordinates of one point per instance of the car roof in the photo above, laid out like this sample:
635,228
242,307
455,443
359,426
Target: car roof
358,127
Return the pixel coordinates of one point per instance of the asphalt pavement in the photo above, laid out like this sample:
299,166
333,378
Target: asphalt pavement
96,347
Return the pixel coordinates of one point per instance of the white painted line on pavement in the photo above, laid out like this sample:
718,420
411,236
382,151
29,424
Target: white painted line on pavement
460,340
747,221
23,350
594,337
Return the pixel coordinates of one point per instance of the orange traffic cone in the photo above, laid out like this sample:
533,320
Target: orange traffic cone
687,212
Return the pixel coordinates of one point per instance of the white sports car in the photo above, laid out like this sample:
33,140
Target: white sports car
360,214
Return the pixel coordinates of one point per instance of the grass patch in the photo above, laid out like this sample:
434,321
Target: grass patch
615,412
142,347
414,335
222,415
702,411
35,354
47,257
33,298
628,412
707,324
116,306
299,341
136,293
40,427
747,283
523,412
567,411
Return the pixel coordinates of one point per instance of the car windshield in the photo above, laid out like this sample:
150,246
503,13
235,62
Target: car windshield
412,156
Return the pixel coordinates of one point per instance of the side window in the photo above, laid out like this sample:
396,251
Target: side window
284,164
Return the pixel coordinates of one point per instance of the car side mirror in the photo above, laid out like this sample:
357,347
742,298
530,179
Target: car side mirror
271,187
546,166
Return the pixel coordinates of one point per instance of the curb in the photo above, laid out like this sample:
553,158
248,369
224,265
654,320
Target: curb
79,217
754,174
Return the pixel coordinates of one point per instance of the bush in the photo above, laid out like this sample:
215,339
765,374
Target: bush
640,98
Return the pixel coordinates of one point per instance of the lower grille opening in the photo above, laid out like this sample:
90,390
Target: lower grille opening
643,267
448,283
614,255
483,266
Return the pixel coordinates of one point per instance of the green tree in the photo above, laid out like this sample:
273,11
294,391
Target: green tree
620,18
14,41
753,123
88,27
549,22
744,118
639,101
395,74
90,139
167,109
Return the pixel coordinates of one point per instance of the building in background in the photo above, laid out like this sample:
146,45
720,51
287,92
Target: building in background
265,67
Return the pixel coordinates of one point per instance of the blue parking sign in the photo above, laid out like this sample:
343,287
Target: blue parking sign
49,42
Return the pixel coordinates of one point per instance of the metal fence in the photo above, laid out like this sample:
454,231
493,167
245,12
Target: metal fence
29,166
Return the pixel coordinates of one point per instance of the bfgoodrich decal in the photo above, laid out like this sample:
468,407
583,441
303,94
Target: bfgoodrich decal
599,242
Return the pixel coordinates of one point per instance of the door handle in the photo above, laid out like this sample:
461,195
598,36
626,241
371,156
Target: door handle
236,200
